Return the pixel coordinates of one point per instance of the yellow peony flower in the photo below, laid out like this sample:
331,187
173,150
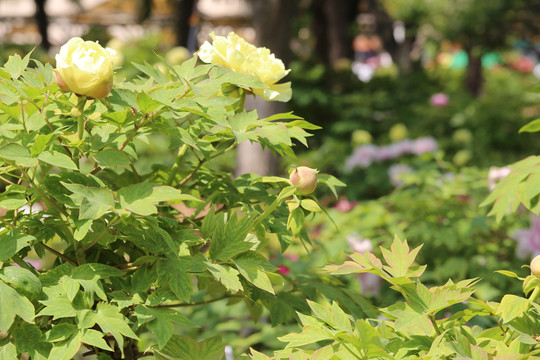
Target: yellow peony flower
85,67
238,55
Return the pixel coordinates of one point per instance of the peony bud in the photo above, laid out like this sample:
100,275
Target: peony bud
535,266
304,179
85,68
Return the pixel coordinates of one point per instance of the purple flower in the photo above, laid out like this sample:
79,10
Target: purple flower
371,283
439,100
424,145
362,157
395,173
528,240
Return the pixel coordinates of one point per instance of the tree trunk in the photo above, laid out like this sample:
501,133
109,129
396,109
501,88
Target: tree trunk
331,26
42,23
184,10
272,24
474,80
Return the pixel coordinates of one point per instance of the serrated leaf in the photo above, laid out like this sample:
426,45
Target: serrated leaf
18,154
228,238
310,335
227,276
174,273
12,304
146,103
252,266
185,348
399,258
15,65
161,322
11,243
96,201
57,159
110,320
94,338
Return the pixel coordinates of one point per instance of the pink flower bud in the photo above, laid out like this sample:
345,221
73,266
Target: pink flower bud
535,266
304,179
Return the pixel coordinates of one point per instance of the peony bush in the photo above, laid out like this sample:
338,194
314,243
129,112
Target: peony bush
124,246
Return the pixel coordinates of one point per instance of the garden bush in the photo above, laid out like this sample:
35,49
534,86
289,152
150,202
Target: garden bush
126,243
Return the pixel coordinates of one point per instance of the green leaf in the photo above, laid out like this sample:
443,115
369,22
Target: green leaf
57,159
8,352
96,201
161,322
512,306
111,158
330,181
141,198
29,340
110,320
310,335
399,258
533,126
252,266
227,276
175,273
310,205
94,338
11,243
18,154
67,348
12,303
41,142
185,348
146,103
228,238
15,65
23,280
10,201
81,228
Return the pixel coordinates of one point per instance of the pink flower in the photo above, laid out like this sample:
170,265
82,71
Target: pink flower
439,100
424,145
282,269
359,244
528,239
495,175
345,205
395,173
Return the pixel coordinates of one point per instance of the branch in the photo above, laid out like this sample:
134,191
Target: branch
226,296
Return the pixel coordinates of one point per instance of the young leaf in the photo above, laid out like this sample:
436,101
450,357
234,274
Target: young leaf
18,154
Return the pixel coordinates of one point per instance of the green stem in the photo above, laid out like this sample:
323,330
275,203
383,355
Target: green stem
435,326
535,294
174,170
80,126
59,254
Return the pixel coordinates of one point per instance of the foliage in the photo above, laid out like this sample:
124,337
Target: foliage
425,324
132,245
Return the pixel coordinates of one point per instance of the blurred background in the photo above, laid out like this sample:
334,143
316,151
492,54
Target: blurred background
420,104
